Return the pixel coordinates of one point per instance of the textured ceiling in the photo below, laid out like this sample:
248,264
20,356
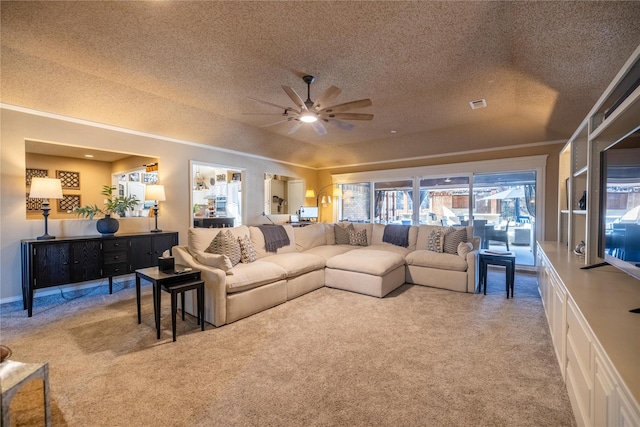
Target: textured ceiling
187,70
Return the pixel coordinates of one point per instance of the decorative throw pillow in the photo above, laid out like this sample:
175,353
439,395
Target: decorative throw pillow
358,238
342,234
247,251
452,239
215,260
225,244
464,248
434,241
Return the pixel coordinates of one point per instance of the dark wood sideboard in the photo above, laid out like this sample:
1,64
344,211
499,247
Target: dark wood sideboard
56,262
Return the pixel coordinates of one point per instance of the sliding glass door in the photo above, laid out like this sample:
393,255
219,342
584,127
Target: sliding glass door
444,201
504,212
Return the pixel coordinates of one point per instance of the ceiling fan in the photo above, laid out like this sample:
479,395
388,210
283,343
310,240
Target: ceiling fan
318,112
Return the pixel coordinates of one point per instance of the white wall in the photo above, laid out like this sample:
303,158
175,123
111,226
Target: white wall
17,126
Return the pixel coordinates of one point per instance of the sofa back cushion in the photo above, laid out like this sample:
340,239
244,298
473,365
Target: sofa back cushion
199,239
425,230
257,238
377,233
311,236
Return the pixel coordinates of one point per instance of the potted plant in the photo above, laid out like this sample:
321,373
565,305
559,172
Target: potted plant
113,204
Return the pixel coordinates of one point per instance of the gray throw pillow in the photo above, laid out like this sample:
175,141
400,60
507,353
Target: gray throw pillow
358,238
342,234
225,244
453,238
434,242
247,250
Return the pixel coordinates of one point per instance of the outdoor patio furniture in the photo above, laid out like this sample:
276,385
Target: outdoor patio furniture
499,235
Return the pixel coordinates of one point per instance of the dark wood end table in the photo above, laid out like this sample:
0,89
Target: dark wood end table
508,260
174,283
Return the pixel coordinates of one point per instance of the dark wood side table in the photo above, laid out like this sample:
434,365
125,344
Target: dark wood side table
508,260
173,283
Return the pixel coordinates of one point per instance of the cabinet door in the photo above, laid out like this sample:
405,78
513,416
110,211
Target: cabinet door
145,250
52,264
86,260
141,251
161,243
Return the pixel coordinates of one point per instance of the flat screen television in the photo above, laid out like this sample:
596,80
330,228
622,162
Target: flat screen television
308,212
619,242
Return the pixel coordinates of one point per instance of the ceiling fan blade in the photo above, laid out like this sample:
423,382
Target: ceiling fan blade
339,124
348,116
271,104
348,106
295,98
326,97
275,123
295,127
319,128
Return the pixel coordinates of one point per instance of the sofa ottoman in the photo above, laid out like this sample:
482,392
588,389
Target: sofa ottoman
370,272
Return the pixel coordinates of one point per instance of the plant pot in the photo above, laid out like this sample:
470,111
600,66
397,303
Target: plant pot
107,225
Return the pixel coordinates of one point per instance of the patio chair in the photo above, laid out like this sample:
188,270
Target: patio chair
499,235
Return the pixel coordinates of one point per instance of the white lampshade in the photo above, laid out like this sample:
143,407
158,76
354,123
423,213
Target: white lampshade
337,192
155,192
45,188
310,194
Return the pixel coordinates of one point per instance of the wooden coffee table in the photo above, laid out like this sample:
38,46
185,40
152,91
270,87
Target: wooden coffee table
174,283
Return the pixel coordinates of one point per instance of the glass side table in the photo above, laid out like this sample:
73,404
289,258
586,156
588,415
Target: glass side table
13,375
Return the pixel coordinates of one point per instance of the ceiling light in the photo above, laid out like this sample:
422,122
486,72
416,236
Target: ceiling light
89,156
480,103
308,117
393,131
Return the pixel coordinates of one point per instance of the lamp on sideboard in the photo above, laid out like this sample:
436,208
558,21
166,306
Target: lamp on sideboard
155,192
45,189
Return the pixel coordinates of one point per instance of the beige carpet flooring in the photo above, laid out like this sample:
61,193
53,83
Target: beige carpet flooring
419,357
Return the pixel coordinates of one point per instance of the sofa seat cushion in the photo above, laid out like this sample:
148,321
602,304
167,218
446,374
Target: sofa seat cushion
403,252
441,260
297,264
253,275
373,262
329,251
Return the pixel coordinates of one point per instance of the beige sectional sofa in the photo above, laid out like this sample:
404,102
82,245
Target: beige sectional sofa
313,259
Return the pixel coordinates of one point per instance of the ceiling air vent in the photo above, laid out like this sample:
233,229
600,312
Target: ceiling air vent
480,103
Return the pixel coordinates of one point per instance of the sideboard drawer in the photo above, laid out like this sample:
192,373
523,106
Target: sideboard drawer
115,245
115,269
115,257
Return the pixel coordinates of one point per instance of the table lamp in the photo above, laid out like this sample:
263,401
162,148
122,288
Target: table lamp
45,189
155,192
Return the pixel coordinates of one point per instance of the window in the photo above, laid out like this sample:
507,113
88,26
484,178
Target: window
393,204
356,202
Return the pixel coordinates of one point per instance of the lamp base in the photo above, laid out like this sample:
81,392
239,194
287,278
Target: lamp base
155,230
46,237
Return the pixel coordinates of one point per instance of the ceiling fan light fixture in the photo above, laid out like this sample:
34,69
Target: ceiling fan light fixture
308,117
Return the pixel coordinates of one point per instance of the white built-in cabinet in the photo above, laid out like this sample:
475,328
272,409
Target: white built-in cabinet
593,335
596,339
579,162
